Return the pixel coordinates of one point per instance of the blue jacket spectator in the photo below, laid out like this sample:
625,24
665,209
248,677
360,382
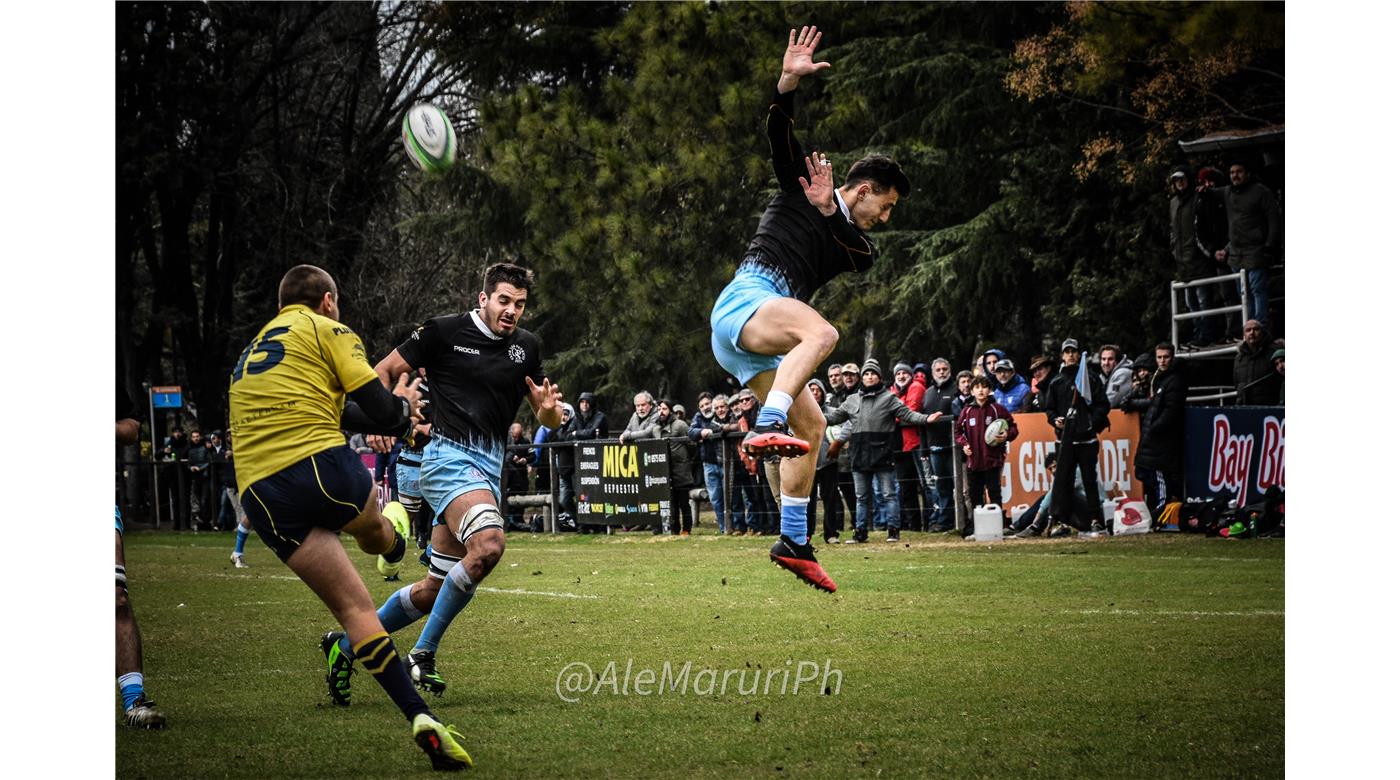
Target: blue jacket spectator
1010,388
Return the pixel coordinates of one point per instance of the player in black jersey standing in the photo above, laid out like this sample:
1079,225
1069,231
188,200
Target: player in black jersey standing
481,364
763,331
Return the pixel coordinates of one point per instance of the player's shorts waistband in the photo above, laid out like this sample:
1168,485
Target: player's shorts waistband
758,264
482,444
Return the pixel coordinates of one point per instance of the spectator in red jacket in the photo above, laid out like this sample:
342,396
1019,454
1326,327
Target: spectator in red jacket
909,387
984,460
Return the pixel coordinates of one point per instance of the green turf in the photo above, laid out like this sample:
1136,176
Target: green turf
1155,656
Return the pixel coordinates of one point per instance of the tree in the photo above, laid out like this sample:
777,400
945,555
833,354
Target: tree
1167,71
250,138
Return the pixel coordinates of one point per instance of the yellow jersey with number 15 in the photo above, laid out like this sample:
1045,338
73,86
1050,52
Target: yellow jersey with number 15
287,391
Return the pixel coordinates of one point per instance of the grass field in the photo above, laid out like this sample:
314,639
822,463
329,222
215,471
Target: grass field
1155,656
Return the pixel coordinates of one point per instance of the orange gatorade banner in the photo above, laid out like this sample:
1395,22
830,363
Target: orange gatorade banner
1024,478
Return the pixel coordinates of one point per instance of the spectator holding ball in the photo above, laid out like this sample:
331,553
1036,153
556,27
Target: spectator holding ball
985,457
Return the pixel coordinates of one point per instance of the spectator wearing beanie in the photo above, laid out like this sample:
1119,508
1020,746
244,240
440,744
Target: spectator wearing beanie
875,412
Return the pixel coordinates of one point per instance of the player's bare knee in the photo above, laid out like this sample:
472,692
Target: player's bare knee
486,552
807,428
823,338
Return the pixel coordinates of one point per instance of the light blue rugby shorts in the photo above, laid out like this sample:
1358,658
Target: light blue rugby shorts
752,286
452,468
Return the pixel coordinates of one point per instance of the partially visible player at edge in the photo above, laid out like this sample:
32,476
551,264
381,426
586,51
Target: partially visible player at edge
482,364
300,485
763,331
141,713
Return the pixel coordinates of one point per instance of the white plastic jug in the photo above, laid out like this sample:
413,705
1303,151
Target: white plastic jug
1110,505
1018,510
986,523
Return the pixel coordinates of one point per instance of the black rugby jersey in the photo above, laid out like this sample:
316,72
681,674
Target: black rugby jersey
793,236
478,377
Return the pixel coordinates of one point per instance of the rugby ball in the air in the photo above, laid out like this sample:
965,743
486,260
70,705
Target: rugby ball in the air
428,138
995,430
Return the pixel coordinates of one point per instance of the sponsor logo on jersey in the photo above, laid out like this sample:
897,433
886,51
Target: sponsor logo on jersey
468,350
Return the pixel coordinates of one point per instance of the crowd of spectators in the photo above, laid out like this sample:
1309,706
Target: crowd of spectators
1222,226
198,489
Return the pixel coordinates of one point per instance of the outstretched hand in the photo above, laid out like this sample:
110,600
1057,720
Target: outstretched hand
797,60
818,186
545,399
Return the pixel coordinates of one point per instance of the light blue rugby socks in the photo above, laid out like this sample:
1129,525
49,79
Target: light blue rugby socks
793,520
457,591
775,409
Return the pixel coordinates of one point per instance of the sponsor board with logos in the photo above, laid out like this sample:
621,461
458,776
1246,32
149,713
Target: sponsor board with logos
622,484
1024,479
1236,452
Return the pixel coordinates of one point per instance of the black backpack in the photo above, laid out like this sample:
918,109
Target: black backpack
1205,517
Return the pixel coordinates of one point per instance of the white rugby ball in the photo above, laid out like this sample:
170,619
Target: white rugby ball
995,430
428,138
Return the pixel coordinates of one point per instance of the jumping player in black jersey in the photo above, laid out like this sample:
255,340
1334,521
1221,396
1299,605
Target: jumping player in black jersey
481,364
763,331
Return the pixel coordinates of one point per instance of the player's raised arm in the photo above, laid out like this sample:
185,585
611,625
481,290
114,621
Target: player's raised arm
788,155
797,59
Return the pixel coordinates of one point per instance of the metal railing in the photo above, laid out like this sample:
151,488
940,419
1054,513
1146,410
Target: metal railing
1178,316
1218,393
166,493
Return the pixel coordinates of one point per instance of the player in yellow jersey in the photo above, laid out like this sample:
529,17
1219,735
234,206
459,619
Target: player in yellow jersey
301,485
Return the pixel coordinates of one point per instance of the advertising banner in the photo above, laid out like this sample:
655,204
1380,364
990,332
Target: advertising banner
1236,450
1023,478
622,484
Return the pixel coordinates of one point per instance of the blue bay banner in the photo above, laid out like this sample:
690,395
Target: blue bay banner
1234,451
622,484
